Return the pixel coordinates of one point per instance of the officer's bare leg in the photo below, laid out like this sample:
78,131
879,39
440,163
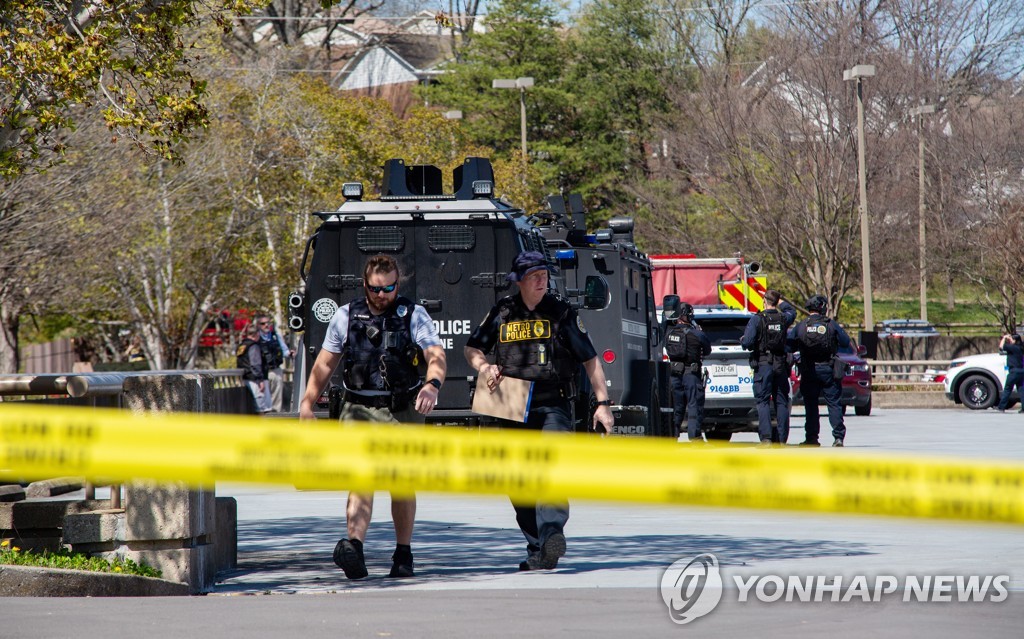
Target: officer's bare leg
358,514
403,512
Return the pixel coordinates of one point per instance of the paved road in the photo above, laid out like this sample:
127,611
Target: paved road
467,550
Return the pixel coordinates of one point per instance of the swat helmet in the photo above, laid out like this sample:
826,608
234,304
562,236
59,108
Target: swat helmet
816,304
684,312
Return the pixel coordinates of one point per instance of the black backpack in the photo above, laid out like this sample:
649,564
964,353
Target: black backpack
773,334
819,341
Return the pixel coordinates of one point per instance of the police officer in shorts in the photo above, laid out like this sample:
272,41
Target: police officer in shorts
765,336
687,346
375,338
818,339
537,336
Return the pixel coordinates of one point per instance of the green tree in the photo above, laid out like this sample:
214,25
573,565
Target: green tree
617,90
523,39
130,55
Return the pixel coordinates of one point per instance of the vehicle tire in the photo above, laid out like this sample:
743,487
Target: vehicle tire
718,435
864,410
978,392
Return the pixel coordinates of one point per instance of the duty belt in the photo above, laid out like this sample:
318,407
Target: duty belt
678,368
373,401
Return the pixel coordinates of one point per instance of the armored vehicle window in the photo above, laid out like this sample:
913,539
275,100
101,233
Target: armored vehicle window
451,238
378,239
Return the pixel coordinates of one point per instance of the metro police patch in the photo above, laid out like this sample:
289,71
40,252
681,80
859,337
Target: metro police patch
523,331
324,309
579,324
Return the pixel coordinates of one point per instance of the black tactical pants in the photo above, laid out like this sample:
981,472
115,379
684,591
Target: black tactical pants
815,382
688,396
771,385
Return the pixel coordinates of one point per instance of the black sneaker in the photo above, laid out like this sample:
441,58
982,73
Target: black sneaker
806,443
838,443
552,550
350,559
402,566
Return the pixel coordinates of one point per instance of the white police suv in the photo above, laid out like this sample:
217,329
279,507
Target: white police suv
729,405
977,380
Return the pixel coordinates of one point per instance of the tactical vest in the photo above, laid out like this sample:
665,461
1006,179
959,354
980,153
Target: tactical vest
242,361
680,347
528,346
773,333
380,353
272,353
818,340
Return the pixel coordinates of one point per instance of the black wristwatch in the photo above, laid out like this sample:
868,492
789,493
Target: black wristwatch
436,383
605,402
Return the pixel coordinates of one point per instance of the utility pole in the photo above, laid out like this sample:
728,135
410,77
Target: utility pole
922,246
858,73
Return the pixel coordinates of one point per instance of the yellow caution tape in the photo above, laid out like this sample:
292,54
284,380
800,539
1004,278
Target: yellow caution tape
111,445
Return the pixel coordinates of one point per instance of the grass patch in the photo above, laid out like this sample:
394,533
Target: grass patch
964,313
14,556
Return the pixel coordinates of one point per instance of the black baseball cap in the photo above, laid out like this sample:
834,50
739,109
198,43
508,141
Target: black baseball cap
527,262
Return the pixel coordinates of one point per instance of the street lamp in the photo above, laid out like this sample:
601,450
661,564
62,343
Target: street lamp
919,113
522,84
858,73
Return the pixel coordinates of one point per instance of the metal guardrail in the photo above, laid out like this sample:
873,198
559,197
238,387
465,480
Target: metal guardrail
911,371
105,389
85,385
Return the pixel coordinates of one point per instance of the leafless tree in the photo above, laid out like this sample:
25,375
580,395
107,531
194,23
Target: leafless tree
306,27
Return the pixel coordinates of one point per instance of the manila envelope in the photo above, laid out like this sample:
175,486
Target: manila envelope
510,401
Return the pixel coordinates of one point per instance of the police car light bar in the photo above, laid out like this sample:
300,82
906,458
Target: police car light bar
483,188
352,191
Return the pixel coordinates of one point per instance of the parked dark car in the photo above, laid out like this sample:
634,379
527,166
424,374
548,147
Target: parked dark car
903,328
856,383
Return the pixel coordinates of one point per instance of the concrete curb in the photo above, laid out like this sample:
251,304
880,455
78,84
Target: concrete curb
24,581
910,399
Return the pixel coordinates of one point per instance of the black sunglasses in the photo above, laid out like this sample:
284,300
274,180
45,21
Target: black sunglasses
390,288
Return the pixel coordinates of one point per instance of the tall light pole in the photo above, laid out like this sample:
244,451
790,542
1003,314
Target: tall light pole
919,113
858,73
522,84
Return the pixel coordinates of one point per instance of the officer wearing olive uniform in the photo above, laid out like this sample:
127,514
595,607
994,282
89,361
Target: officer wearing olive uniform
686,346
537,336
376,338
818,339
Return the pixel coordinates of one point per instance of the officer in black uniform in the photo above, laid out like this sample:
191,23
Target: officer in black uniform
687,346
1012,347
818,339
765,335
376,337
537,336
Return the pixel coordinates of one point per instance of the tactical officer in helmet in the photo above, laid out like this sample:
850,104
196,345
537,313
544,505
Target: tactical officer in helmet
765,335
687,346
376,338
537,336
818,339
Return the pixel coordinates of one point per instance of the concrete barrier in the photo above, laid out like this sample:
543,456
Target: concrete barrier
23,581
911,399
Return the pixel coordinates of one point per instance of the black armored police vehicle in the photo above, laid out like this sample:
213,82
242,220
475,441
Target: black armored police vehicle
454,251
